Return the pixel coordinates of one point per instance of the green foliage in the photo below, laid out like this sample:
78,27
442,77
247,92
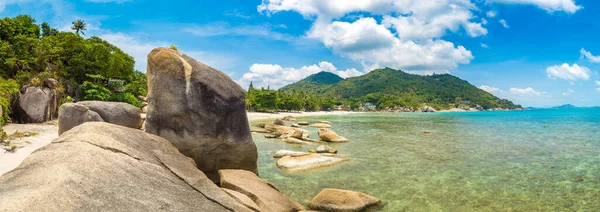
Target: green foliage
138,85
93,91
8,88
127,98
390,88
174,47
66,99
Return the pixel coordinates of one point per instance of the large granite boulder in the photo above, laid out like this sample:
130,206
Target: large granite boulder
266,196
201,111
74,114
36,105
71,115
343,200
99,166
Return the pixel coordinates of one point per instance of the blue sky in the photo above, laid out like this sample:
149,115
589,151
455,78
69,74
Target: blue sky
533,52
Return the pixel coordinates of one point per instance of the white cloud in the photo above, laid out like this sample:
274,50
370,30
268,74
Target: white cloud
483,45
598,83
525,91
275,76
489,89
568,72
569,92
415,43
598,89
484,21
588,55
504,24
491,14
567,6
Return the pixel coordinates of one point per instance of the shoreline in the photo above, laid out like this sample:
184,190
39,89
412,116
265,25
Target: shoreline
257,116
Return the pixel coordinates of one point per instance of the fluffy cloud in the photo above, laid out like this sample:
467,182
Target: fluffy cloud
567,6
491,14
598,89
568,72
275,76
598,83
504,24
525,91
489,89
483,45
410,41
569,92
589,56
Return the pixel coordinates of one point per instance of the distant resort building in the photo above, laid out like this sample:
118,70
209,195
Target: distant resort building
367,106
117,84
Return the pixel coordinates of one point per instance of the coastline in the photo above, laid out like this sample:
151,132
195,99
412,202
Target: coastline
256,116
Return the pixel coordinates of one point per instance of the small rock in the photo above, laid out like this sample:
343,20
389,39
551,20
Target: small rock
325,149
283,153
343,200
260,131
303,123
279,122
325,122
321,125
295,125
293,140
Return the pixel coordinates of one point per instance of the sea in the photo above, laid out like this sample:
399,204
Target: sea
533,160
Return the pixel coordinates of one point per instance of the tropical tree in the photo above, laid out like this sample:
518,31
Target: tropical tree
79,26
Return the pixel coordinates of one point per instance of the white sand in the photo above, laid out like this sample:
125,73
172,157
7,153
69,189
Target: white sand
46,133
49,132
253,116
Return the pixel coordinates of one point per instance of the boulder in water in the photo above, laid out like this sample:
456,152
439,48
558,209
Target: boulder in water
311,161
324,149
330,199
99,166
325,122
303,123
330,136
279,122
201,111
283,153
289,118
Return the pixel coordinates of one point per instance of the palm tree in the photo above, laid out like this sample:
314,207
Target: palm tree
79,26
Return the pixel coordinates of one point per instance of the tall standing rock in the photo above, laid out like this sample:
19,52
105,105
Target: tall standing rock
201,111
37,105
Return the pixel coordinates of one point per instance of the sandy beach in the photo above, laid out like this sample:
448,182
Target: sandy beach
49,131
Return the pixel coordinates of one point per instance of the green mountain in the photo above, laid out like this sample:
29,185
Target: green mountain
388,88
315,82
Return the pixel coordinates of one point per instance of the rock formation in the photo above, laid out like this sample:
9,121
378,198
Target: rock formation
343,200
306,162
201,111
321,125
330,136
99,166
304,123
266,196
73,114
37,104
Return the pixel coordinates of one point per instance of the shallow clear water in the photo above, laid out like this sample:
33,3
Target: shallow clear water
541,160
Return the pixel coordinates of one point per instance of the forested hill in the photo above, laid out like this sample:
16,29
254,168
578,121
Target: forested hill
315,82
389,88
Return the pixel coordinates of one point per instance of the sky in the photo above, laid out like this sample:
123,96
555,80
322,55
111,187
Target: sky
537,53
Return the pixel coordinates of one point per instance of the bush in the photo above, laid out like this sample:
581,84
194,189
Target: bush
8,88
67,99
127,98
138,85
92,91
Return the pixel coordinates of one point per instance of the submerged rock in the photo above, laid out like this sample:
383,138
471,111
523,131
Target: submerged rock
271,136
311,161
295,125
283,153
99,166
330,199
303,123
325,122
321,125
201,111
287,131
289,118
266,196
293,140
260,131
330,136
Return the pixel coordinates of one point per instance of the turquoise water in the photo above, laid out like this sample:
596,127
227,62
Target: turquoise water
540,160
